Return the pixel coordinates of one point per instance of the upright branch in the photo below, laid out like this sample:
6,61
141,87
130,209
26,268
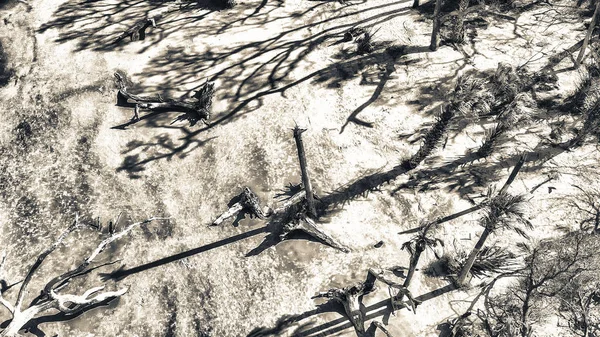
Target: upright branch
312,211
194,110
51,298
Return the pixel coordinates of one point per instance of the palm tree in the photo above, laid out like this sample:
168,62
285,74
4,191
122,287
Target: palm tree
588,35
416,246
504,212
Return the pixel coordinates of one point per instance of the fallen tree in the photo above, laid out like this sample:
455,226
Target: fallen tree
351,297
51,297
194,110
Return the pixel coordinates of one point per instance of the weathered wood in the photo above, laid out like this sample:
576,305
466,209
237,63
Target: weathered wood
248,202
308,226
312,211
349,297
138,30
50,297
194,110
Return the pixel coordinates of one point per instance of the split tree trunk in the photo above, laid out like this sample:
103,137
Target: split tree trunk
462,277
588,36
304,171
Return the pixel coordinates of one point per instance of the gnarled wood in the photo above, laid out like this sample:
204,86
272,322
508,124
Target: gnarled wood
194,110
308,226
249,202
50,297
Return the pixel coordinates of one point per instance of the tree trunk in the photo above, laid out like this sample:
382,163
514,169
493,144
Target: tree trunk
586,41
413,266
305,179
415,4
435,34
461,281
459,34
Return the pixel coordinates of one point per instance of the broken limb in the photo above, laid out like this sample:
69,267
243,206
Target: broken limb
382,328
193,110
249,202
308,226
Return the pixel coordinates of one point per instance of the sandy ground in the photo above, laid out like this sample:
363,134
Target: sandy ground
274,64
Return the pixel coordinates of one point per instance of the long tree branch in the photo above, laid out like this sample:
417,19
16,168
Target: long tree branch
3,301
40,260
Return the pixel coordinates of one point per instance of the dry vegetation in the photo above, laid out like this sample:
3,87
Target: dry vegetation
444,180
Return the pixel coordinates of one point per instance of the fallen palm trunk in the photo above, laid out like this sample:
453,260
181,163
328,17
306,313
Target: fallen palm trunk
194,110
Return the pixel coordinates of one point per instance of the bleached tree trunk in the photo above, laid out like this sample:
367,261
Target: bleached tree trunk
588,36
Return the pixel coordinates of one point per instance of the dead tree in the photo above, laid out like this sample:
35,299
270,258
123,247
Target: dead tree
308,226
138,30
312,211
51,298
350,297
194,110
249,202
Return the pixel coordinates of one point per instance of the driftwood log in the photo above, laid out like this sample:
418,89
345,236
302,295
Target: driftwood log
51,296
350,297
138,30
290,216
194,110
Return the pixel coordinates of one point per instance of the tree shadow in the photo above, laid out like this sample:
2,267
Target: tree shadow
96,25
382,308
123,272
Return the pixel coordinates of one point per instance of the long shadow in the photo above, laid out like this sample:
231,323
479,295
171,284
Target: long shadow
375,310
96,25
389,69
122,273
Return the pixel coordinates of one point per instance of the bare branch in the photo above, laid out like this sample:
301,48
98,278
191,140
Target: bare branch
3,301
40,260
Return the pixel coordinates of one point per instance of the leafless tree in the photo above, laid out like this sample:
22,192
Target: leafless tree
51,297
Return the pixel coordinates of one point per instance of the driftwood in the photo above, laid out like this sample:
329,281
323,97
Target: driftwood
249,202
194,110
308,226
138,30
284,222
350,297
50,297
